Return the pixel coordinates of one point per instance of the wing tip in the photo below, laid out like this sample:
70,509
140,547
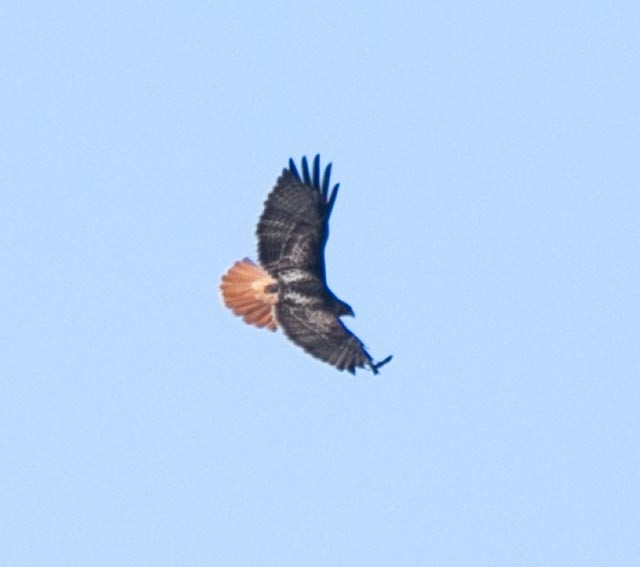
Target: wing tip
311,176
293,169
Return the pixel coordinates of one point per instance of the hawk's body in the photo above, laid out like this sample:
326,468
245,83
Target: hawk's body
290,291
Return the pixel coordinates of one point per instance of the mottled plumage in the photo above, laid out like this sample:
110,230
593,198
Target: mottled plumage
292,233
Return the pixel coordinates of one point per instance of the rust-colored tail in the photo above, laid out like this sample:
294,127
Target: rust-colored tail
246,291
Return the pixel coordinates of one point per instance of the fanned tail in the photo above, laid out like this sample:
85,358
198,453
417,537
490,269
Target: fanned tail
250,293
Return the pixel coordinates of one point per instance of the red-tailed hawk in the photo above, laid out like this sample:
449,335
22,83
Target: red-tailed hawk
289,288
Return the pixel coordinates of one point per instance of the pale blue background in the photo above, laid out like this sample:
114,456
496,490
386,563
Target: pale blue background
487,234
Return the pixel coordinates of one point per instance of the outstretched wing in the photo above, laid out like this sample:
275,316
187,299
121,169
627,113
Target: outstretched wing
293,228
322,334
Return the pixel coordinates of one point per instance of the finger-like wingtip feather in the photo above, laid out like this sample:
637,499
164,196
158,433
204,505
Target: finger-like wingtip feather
326,180
305,171
332,199
293,169
316,172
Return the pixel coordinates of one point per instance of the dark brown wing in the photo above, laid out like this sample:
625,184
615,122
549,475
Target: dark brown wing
292,233
322,334
293,228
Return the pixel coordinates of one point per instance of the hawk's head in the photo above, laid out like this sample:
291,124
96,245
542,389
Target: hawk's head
343,308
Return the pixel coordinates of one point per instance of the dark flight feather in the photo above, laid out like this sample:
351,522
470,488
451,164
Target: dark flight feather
292,233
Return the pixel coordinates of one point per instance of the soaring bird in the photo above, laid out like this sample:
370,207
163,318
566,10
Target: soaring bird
288,289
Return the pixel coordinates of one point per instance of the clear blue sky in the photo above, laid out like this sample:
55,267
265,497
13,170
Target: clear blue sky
487,234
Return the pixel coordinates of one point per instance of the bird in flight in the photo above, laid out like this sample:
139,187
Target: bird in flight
288,289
